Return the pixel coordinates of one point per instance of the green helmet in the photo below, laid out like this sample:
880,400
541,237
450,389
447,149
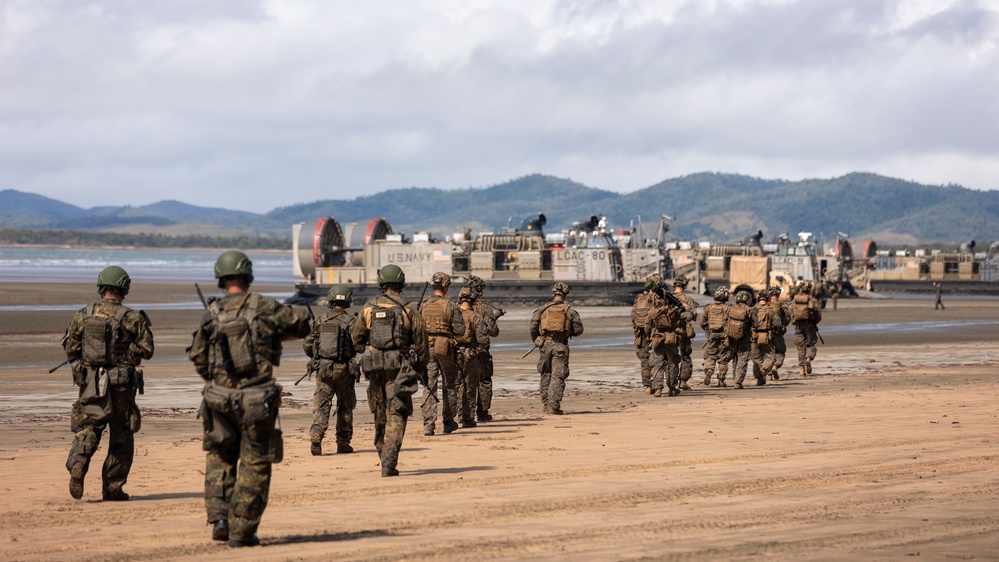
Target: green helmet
652,283
391,274
680,280
116,277
742,296
339,295
233,263
560,288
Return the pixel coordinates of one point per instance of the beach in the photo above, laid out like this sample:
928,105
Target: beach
888,451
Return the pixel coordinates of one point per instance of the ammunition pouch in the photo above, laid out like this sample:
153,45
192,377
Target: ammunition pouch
763,338
226,412
134,415
95,395
441,345
382,360
690,331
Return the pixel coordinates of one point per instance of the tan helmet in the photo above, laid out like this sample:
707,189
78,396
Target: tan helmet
721,294
560,288
680,280
466,294
440,280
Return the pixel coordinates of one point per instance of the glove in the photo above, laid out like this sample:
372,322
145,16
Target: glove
539,341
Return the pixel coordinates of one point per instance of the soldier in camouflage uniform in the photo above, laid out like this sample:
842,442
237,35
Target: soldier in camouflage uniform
491,315
473,346
806,314
645,302
718,350
740,332
107,340
392,335
443,321
329,346
766,324
782,308
686,333
552,325
235,349
662,328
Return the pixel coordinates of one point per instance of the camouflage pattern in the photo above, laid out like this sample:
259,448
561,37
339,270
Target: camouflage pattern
718,351
762,354
333,381
741,348
389,396
665,357
642,349
121,447
553,363
490,316
806,337
240,496
443,367
783,309
683,343
470,363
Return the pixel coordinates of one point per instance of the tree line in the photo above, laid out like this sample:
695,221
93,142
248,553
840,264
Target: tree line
47,237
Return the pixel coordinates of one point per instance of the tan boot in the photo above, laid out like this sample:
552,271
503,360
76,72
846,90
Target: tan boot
658,393
808,366
684,385
707,379
802,370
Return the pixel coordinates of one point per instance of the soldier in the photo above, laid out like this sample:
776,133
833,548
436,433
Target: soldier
806,315
766,323
835,290
686,332
329,346
783,310
718,349
396,358
662,328
490,315
644,302
938,292
819,293
552,325
444,322
739,331
235,350
107,340
473,346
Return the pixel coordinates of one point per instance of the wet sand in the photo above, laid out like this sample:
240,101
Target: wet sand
888,451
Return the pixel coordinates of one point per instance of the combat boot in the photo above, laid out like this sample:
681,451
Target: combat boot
428,431
468,424
450,426
648,390
344,449
738,385
114,495
684,385
721,383
220,530
557,412
673,392
658,393
240,543
547,409
808,366
707,379
386,472
802,370
316,448
775,374
76,475
485,417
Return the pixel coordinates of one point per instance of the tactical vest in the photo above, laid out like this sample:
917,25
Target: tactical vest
764,320
468,338
388,326
234,344
735,328
666,318
640,311
105,342
333,343
800,310
437,316
556,319
715,315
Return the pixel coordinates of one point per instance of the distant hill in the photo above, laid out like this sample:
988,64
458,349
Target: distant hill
704,206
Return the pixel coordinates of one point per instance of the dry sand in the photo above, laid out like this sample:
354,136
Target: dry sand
887,452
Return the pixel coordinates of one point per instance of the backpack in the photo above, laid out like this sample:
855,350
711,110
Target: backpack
234,335
735,328
799,310
435,312
333,342
715,314
555,319
640,311
764,320
388,324
104,341
666,318
468,338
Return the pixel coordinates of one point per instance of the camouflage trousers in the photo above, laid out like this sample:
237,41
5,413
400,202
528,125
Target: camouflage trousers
763,358
553,365
339,385
442,371
806,337
686,365
665,362
741,351
469,377
390,424
718,352
485,398
238,460
121,442
780,350
643,353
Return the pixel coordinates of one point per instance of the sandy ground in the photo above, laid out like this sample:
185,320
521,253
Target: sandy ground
888,452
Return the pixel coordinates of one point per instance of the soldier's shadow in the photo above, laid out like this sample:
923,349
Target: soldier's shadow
173,496
324,537
449,470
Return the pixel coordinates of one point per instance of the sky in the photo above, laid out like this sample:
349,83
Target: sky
258,104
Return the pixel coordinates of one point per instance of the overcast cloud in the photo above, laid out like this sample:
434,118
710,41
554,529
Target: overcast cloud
255,105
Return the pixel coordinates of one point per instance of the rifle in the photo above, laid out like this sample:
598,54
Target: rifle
302,378
819,335
497,309
419,303
311,314
221,338
528,352
66,362
671,299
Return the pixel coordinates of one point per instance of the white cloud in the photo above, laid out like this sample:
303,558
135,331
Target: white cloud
255,105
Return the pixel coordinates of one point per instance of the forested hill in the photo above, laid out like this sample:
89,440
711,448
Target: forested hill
705,206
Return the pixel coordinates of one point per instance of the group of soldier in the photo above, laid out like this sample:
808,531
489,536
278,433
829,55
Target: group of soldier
737,334
397,344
